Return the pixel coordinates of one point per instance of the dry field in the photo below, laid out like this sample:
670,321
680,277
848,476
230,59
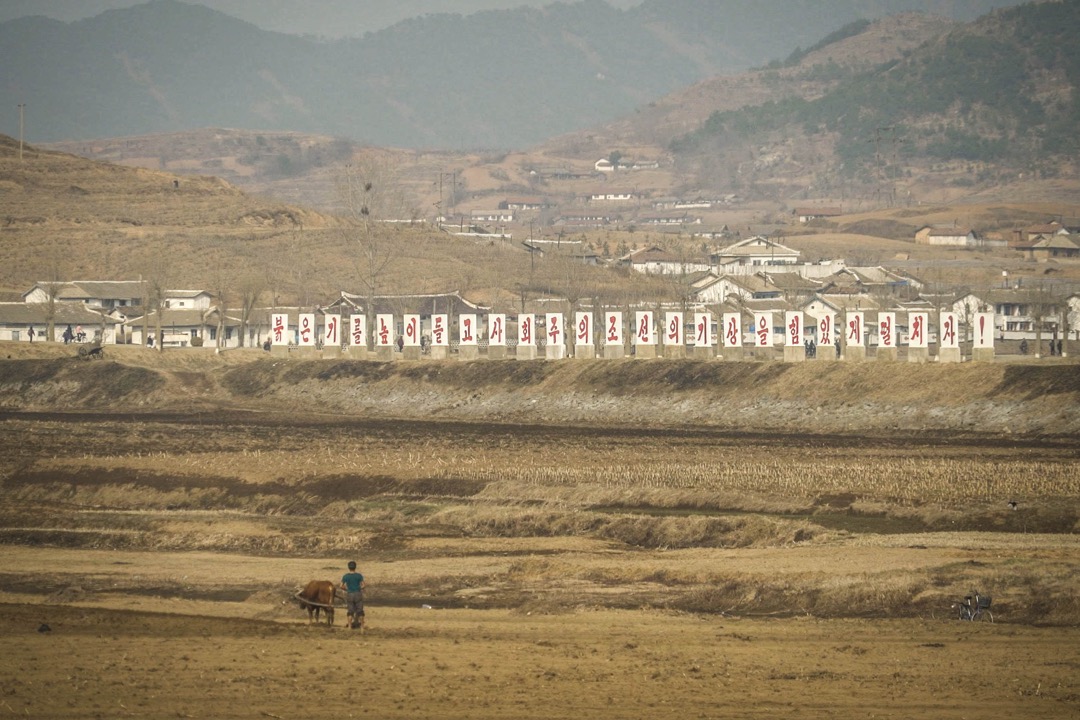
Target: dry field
541,570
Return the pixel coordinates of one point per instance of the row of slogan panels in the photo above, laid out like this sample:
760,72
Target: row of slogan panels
644,335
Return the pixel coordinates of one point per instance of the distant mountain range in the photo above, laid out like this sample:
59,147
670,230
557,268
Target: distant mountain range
984,100
498,79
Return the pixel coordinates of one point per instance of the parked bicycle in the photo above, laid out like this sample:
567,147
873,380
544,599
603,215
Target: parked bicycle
974,607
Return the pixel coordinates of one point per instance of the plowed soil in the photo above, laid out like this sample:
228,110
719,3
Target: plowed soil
541,568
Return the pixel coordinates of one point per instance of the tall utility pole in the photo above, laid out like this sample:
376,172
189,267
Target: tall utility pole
22,108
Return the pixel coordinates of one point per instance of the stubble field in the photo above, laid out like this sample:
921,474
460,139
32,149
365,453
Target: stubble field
514,571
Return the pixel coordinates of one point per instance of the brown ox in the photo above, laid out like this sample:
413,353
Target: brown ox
318,595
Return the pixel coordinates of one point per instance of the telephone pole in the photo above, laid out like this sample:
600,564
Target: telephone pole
22,108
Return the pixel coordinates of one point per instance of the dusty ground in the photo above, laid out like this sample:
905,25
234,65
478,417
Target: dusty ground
551,569
416,663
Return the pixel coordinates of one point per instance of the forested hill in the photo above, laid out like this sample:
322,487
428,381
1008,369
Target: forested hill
1003,91
496,79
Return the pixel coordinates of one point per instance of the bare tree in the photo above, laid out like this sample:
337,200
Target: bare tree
368,194
252,288
157,284
53,284
221,293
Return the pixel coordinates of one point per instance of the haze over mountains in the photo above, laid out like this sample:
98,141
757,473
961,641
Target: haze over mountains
496,79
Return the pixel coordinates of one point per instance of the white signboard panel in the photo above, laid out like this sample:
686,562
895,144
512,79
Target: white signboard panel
949,337
613,329
793,328
358,330
279,329
855,329
983,330
440,333
526,330
917,330
674,330
467,334
826,329
306,330
643,328
763,330
331,330
703,330
733,330
497,330
410,331
886,330
556,334
583,334
384,331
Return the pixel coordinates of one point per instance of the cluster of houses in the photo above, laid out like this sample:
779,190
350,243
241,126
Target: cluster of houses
752,277
760,274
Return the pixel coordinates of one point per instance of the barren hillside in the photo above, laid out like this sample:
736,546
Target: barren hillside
1034,398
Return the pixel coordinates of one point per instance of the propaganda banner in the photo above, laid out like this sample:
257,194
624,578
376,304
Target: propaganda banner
703,330
950,324
917,333
763,330
855,329
643,328
306,330
613,328
496,330
440,336
358,330
279,329
555,332
886,336
983,330
583,334
467,330
384,330
331,330
733,336
410,331
674,330
793,329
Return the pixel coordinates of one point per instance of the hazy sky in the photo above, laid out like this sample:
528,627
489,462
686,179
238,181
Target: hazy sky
329,18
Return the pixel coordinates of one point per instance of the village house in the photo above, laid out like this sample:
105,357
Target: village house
1052,247
613,196
585,220
525,203
492,216
674,218
657,261
1022,314
793,287
806,215
103,295
17,318
750,254
951,236
1022,237
872,281
187,299
713,289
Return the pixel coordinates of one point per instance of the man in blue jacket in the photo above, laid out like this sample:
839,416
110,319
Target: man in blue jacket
352,583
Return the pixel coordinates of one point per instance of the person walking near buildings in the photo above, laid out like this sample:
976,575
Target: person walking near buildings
353,584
